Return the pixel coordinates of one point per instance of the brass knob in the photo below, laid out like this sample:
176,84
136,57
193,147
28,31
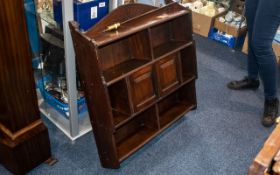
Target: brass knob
112,27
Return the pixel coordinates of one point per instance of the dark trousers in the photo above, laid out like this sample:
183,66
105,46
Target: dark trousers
263,19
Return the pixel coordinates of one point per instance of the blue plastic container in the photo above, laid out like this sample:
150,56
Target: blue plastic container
228,40
55,103
86,14
32,27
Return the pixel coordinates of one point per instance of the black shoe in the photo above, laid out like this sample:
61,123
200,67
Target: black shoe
270,112
243,84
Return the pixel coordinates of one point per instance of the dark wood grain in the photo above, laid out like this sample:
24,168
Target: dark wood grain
263,162
177,104
123,56
16,76
24,141
142,88
130,11
170,47
167,74
122,69
151,18
133,77
136,132
98,101
118,93
188,62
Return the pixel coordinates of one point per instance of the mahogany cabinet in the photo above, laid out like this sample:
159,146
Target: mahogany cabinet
24,140
138,78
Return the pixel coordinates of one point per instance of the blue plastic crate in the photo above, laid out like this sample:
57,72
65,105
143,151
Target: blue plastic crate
228,40
59,106
86,14
32,26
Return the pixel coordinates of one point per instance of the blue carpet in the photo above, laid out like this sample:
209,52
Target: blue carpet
221,137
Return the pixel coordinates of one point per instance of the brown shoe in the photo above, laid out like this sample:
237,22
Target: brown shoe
270,112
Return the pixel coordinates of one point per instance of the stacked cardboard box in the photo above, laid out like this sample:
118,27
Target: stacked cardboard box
230,28
202,22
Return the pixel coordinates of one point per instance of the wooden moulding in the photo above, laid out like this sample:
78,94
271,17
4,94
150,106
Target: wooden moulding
27,151
265,158
24,140
139,78
21,132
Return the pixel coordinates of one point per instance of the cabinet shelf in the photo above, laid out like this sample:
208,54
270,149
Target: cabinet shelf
135,141
136,132
177,104
119,101
174,106
149,68
188,62
125,118
191,78
177,111
119,117
169,48
121,70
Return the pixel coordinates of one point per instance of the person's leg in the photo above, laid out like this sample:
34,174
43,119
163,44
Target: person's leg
250,13
266,23
251,81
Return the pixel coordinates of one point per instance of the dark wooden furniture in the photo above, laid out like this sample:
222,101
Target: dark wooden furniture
24,140
138,79
268,159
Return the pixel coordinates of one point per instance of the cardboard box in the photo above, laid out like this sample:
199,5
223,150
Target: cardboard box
225,33
238,7
276,48
245,45
229,29
202,23
275,45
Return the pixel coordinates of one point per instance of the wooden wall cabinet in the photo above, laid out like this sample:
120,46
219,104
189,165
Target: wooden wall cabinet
24,140
138,79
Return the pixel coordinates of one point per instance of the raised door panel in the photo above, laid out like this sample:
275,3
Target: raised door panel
142,88
167,74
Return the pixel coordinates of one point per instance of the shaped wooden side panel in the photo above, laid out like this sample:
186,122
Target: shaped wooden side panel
100,112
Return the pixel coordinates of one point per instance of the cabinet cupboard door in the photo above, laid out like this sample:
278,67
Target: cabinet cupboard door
142,88
167,74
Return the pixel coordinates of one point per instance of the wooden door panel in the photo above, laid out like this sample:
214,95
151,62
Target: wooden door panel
142,88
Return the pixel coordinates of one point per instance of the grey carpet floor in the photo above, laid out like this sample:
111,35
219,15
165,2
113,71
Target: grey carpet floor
221,137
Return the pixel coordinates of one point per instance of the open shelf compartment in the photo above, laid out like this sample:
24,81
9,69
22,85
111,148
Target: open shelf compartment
120,57
138,131
188,62
177,104
119,101
170,36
